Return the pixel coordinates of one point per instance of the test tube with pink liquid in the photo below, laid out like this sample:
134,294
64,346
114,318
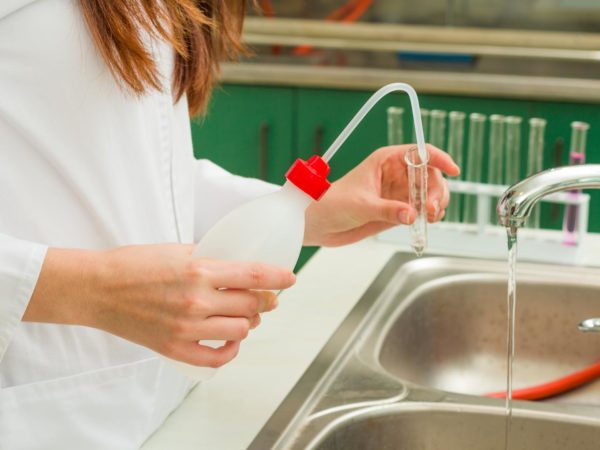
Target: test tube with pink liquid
579,132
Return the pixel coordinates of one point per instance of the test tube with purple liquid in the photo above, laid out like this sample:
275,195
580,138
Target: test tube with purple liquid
576,156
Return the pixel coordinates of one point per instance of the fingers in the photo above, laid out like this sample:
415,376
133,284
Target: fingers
218,328
437,197
242,303
246,275
442,161
201,355
392,211
255,321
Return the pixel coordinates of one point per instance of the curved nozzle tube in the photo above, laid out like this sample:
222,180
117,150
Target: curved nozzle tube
372,101
516,204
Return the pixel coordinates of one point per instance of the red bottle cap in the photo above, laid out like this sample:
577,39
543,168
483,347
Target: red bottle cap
310,176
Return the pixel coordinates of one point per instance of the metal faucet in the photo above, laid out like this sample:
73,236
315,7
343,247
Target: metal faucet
517,202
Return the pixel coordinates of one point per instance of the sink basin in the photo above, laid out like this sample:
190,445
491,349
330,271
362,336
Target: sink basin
438,427
407,368
451,334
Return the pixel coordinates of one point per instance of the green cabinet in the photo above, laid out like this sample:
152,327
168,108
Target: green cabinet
248,131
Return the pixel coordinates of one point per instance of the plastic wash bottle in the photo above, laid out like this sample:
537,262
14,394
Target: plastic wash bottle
269,229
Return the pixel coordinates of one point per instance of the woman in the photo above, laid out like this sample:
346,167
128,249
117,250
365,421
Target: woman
101,201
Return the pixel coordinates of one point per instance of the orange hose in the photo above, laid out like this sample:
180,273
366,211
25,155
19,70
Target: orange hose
267,8
269,11
358,12
347,13
343,11
556,387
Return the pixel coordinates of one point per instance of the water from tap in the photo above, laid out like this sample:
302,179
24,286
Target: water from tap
510,341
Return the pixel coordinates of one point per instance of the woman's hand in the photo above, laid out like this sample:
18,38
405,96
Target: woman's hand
374,196
158,296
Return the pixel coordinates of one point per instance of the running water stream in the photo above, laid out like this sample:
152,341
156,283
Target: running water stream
511,307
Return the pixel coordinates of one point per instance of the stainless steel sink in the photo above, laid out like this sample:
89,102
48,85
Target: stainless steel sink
451,333
450,427
407,367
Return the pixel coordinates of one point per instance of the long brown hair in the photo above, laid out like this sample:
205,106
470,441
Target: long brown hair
202,32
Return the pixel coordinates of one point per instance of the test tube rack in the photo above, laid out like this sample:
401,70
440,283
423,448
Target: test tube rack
484,239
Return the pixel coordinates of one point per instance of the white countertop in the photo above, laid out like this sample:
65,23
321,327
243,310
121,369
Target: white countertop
228,411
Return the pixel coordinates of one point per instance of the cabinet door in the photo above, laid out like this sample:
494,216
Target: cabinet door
248,131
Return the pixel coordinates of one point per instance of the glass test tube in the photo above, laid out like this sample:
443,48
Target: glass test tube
474,162
395,125
437,128
456,134
513,149
417,182
424,123
535,160
496,151
496,154
579,132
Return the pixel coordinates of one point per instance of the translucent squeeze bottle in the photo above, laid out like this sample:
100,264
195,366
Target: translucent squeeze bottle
270,229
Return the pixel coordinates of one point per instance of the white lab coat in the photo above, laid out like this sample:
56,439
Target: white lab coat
87,165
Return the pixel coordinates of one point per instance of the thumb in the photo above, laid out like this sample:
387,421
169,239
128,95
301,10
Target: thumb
393,211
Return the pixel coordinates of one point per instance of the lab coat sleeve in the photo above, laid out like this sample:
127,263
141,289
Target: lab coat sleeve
20,265
216,192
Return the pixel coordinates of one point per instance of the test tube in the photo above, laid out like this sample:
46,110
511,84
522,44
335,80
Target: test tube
474,162
395,125
513,149
456,134
424,123
579,132
535,160
417,182
496,154
437,128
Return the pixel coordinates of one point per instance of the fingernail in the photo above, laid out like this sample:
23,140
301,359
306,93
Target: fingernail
436,207
404,216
